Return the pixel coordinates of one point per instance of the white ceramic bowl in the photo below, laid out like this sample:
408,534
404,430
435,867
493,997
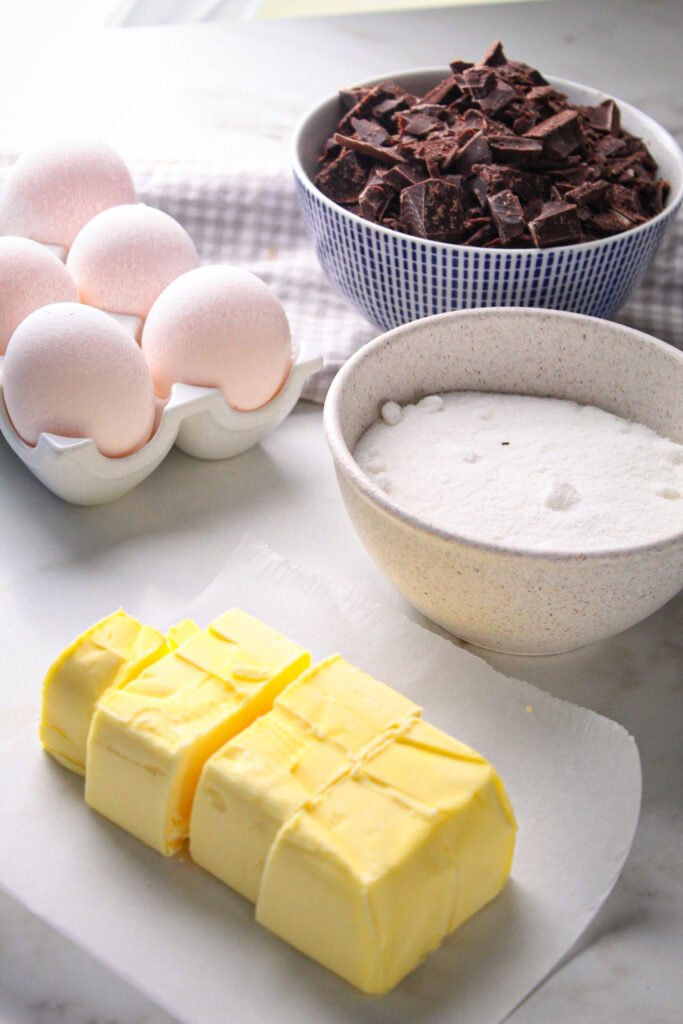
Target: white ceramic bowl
392,278
507,598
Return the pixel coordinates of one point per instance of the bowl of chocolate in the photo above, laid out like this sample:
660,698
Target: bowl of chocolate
491,185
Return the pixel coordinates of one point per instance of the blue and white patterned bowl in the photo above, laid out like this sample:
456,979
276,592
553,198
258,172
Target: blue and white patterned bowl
393,278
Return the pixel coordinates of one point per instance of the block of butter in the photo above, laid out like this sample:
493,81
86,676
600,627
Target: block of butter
319,728
149,740
363,834
109,654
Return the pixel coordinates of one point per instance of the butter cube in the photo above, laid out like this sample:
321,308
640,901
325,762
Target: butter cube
109,654
148,742
371,875
318,729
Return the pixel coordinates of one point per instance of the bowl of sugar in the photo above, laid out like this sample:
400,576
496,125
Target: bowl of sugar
517,474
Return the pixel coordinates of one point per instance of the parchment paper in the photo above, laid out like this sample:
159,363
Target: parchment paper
191,944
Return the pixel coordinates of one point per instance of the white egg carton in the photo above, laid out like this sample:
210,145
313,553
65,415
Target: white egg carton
198,420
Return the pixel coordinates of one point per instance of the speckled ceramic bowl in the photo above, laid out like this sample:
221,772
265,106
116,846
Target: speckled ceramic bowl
392,278
507,598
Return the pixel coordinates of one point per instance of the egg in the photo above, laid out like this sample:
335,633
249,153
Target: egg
30,276
73,371
222,327
124,258
52,191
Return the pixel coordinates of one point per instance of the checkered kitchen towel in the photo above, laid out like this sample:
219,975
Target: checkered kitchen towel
253,221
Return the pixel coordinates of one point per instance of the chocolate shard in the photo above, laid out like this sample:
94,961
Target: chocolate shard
352,95
375,198
478,81
373,96
494,56
557,224
369,131
508,215
611,223
498,98
511,149
443,92
605,117
524,184
433,209
418,122
458,66
342,180
560,134
588,194
400,176
385,154
385,110
475,151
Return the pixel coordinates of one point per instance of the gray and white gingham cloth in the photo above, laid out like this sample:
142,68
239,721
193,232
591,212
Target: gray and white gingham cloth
254,222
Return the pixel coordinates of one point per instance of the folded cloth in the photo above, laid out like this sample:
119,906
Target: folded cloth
253,221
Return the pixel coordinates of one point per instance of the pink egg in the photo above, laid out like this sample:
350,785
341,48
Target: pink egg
73,371
30,277
124,257
219,327
54,190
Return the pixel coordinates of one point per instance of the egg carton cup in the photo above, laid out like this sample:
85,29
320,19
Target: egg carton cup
197,420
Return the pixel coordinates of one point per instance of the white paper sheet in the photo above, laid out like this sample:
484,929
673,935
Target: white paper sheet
191,944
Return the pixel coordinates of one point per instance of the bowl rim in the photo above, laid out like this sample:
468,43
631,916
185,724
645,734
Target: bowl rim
565,85
346,463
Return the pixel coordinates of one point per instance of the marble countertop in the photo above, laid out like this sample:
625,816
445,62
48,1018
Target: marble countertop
179,93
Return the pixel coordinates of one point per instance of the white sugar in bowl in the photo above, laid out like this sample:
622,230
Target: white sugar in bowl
497,595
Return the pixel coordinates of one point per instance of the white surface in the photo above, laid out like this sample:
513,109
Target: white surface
181,93
538,473
573,779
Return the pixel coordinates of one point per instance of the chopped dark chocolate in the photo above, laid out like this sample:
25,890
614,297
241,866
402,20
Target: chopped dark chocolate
475,151
494,56
492,155
556,224
510,149
605,117
508,215
433,209
385,154
342,180
369,131
560,134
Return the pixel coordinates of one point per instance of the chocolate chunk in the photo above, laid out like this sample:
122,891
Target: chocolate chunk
475,151
386,155
605,117
353,95
611,223
401,175
458,66
444,92
494,56
508,215
418,122
478,82
498,98
432,209
343,179
369,131
375,198
560,134
557,224
588,194
512,150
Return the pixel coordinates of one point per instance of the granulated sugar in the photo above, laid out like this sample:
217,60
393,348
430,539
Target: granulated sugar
538,473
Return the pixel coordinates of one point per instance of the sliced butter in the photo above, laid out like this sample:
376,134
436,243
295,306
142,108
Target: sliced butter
148,742
318,729
109,654
371,875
